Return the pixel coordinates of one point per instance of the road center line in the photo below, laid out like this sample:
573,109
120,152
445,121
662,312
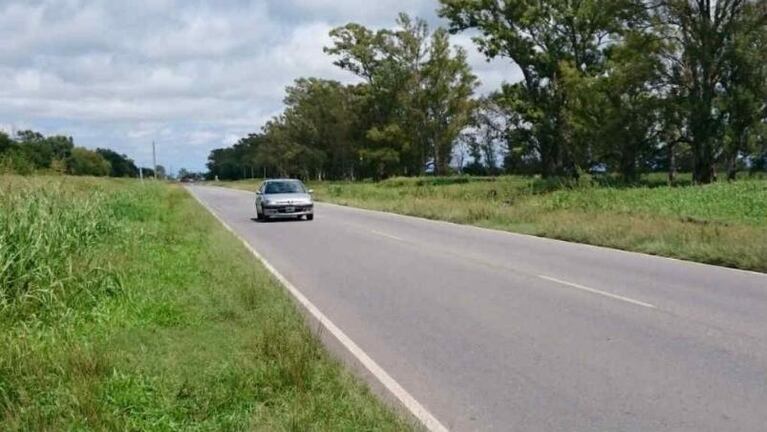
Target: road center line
387,235
548,278
596,291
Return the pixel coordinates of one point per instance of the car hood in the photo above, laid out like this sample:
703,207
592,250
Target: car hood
292,198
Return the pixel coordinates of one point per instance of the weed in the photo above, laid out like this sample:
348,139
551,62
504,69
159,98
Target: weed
126,306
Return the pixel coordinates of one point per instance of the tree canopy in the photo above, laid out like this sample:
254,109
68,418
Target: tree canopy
622,86
414,101
31,151
82,161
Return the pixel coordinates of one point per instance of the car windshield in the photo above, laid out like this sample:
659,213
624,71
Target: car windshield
285,187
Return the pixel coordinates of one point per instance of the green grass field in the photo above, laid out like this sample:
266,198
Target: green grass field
723,223
126,306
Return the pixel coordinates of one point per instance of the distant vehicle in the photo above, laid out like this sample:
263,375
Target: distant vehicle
284,198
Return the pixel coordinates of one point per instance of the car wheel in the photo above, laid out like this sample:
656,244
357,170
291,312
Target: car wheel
310,217
259,216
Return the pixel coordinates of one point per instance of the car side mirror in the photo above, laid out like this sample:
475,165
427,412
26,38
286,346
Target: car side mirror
258,192
311,191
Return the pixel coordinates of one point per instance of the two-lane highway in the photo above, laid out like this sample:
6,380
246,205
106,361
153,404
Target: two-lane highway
496,331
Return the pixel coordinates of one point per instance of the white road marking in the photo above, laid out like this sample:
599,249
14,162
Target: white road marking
596,291
387,235
526,236
543,239
419,411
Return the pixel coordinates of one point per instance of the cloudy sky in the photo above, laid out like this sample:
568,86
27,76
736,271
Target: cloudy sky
191,75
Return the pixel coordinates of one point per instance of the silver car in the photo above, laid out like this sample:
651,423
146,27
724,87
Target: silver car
284,198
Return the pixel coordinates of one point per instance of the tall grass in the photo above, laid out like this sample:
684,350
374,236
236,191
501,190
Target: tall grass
48,235
125,306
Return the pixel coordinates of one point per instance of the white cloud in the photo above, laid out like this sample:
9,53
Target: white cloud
374,13
190,75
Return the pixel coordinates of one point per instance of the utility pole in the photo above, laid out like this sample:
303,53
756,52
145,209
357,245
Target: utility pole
154,160
141,174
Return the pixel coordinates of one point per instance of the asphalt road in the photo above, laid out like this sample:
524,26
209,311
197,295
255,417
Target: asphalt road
496,331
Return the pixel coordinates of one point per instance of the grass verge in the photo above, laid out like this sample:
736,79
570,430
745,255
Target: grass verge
723,223
126,306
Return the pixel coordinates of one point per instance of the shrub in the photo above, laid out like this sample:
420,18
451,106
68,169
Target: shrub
86,162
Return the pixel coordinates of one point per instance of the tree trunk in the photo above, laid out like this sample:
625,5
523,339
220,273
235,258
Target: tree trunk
703,163
551,159
703,172
441,158
555,147
671,164
628,166
443,163
732,167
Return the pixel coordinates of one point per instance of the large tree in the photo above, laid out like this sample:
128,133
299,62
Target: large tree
239,161
86,162
121,165
381,58
714,62
745,91
322,115
617,113
6,143
42,150
418,93
541,37
446,99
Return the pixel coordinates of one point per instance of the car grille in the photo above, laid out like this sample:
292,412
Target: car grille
296,208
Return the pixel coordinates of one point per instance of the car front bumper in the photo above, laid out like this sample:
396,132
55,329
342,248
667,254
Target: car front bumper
281,211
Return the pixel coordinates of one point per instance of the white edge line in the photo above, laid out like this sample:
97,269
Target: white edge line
416,409
596,291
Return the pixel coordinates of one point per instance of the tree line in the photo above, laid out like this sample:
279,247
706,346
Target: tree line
414,99
29,151
623,86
